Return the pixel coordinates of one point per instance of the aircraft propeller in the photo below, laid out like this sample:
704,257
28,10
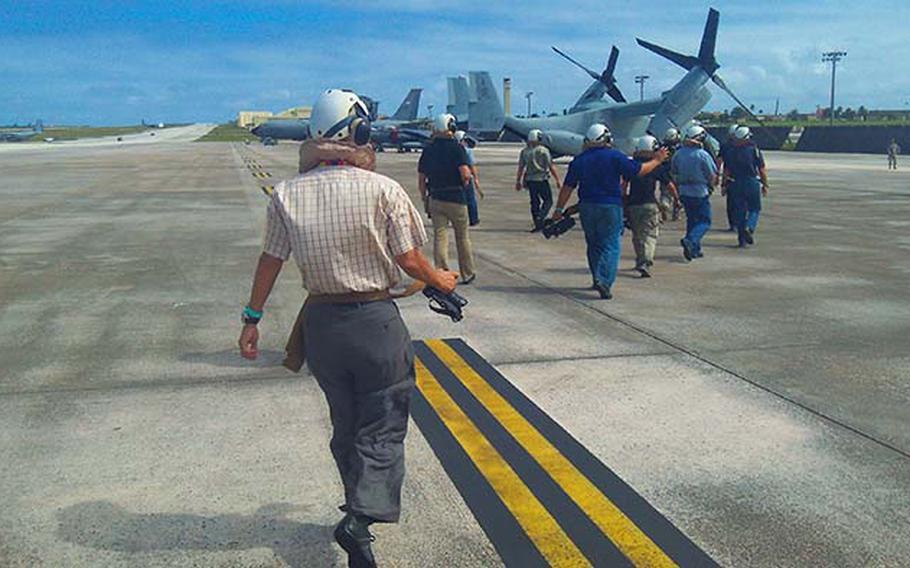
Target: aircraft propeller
705,59
606,78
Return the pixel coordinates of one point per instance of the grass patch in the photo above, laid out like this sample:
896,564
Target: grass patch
227,132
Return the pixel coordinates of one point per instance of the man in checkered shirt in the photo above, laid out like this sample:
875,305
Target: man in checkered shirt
349,231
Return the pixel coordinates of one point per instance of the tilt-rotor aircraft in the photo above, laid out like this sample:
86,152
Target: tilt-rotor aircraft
676,108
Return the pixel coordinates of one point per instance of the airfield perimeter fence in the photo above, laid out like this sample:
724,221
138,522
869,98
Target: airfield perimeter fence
853,139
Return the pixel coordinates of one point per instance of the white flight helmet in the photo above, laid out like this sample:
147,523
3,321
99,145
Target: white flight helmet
646,143
731,132
697,133
444,122
535,135
742,133
671,135
459,135
598,134
339,114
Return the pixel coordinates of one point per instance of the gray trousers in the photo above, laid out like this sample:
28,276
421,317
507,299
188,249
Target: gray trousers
362,358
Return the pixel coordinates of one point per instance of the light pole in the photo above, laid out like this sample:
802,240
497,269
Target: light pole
833,57
528,96
640,80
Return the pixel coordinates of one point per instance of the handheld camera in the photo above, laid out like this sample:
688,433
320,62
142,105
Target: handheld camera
446,304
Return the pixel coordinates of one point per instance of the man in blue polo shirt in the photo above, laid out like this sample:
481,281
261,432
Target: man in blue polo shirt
747,181
596,172
694,171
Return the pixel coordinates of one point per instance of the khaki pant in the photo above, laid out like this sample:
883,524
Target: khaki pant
443,213
645,221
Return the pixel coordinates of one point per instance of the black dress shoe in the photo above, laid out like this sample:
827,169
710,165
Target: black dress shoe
355,538
604,292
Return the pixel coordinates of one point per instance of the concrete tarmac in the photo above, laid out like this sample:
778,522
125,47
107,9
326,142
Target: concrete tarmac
757,398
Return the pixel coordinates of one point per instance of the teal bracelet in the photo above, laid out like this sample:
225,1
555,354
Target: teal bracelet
250,312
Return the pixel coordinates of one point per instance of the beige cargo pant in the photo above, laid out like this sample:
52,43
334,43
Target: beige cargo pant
645,221
443,213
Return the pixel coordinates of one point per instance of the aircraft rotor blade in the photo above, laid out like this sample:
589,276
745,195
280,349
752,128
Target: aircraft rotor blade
611,65
616,94
593,75
720,83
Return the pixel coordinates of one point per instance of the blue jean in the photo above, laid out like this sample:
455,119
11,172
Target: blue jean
698,220
603,234
747,205
471,195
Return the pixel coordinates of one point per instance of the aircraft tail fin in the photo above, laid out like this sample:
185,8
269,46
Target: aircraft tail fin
39,126
409,106
459,97
705,58
485,112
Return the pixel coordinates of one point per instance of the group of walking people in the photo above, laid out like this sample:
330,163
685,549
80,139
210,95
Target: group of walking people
646,189
351,232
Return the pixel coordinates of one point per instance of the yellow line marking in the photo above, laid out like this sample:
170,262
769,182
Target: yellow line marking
540,526
267,189
627,537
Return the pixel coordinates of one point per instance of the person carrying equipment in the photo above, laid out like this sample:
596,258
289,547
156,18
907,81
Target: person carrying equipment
349,230
535,166
597,172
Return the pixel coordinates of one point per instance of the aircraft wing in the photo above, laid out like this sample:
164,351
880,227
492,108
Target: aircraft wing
646,108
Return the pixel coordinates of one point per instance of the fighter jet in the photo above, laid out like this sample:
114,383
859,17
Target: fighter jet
401,130
676,108
21,135
475,104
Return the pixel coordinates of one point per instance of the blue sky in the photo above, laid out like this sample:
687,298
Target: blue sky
105,62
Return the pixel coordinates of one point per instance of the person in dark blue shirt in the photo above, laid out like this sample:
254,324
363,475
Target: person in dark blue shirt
746,180
722,159
597,172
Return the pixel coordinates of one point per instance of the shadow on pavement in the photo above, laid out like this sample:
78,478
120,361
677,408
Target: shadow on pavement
104,525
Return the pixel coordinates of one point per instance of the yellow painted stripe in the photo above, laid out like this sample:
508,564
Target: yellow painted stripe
540,526
627,537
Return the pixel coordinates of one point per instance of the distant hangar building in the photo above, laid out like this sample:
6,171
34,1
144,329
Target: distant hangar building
252,118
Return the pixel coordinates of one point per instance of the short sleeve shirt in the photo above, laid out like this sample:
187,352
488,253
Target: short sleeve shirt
643,190
597,172
536,161
439,162
344,227
744,161
694,170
